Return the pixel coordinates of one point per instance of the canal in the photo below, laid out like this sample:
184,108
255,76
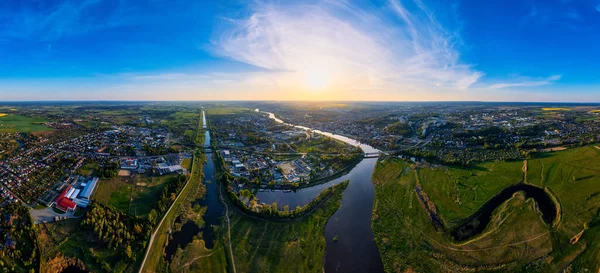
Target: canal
214,208
355,249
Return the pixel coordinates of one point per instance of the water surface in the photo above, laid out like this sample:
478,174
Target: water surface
355,250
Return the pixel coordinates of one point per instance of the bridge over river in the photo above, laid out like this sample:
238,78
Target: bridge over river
356,250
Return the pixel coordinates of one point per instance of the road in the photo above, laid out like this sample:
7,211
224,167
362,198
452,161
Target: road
165,216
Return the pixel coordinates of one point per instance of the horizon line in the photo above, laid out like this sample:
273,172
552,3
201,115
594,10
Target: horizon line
347,101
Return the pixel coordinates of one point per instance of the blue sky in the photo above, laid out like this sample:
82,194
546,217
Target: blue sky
510,50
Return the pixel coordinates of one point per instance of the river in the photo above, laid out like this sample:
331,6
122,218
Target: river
214,208
355,250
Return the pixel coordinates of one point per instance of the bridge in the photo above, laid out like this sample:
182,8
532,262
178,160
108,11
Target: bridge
208,149
373,155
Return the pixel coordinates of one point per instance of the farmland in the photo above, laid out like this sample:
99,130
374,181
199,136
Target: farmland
515,239
555,109
11,124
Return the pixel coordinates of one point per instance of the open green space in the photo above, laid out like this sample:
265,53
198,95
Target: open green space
88,169
135,196
155,258
288,246
515,240
196,258
12,123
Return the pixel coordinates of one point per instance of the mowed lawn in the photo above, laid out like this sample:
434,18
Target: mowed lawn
12,123
132,195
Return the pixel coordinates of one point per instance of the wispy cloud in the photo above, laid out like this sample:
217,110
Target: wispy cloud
357,48
52,20
527,82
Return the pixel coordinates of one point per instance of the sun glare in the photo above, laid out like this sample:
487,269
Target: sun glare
316,79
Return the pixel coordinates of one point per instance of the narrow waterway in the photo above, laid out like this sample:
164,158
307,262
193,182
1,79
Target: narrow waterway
214,208
355,249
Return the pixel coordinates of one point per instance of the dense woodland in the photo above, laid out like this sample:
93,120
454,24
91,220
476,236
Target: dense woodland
18,244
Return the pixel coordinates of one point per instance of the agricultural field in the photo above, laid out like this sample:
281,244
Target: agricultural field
14,123
555,109
516,238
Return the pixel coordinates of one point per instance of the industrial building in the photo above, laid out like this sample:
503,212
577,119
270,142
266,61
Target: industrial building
73,196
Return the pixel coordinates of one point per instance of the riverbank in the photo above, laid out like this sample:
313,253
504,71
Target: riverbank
159,238
292,246
530,225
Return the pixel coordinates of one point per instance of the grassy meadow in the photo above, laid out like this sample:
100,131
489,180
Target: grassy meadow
289,246
12,124
516,239
132,195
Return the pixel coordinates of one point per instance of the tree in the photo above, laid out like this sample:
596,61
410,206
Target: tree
152,216
128,252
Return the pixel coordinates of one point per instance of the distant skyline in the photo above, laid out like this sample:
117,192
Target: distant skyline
413,50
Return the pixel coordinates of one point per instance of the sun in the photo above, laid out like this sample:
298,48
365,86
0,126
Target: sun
316,79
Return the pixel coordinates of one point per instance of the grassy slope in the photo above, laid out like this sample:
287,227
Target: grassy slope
407,239
295,246
196,258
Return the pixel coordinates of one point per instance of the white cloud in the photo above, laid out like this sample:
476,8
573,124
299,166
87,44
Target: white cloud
391,49
527,82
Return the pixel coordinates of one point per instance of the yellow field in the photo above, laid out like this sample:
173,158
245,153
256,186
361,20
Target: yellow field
3,115
595,111
555,109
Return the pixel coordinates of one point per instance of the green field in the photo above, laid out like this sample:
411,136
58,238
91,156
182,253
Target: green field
291,246
196,258
89,168
515,240
11,124
134,196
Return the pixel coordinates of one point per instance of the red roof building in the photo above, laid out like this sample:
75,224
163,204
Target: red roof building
63,203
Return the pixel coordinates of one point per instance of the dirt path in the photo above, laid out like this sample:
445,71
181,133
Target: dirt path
542,173
259,241
576,238
228,228
198,258
524,169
